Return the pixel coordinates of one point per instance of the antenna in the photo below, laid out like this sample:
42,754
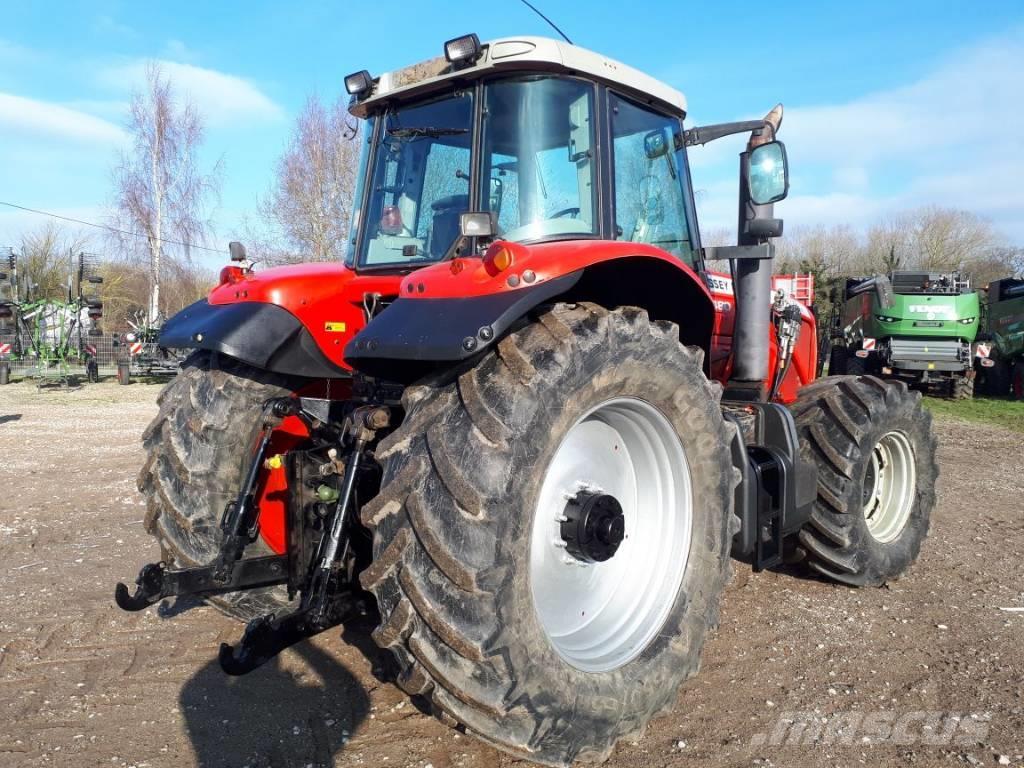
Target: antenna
549,21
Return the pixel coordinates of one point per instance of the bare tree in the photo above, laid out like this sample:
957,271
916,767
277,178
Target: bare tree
160,191
948,238
889,245
310,204
45,267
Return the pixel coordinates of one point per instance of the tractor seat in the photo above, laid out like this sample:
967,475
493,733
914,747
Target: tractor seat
445,227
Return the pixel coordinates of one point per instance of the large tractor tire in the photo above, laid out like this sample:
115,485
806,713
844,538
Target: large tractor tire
854,366
993,381
479,543
198,448
837,361
962,388
873,444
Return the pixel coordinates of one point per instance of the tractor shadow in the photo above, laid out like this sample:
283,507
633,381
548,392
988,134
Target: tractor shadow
282,714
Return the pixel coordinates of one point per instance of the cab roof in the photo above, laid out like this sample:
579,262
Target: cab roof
526,54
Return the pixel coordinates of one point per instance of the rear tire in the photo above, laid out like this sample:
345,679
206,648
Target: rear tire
994,381
197,449
837,361
963,387
456,542
873,444
855,366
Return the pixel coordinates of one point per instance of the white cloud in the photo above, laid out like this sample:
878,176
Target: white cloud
220,97
951,138
34,118
108,25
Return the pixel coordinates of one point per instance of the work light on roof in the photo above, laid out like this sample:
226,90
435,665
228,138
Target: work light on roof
463,50
359,83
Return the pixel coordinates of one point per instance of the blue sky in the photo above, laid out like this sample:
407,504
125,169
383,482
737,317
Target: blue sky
890,105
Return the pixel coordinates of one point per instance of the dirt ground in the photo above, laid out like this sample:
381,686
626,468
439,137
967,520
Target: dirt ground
84,684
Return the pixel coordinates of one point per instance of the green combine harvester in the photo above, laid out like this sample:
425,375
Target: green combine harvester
1000,348
913,326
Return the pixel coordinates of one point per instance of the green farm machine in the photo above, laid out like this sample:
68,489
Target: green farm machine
915,326
1000,348
45,336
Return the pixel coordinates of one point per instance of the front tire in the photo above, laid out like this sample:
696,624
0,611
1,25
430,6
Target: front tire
874,448
477,604
198,448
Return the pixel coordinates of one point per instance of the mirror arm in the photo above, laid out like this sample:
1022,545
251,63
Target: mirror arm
704,134
739,252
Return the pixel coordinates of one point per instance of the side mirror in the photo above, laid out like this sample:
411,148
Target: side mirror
768,173
236,250
655,145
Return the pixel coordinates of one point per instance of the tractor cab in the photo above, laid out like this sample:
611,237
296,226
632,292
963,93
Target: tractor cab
554,142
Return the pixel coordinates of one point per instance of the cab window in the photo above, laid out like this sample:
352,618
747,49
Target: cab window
538,159
650,179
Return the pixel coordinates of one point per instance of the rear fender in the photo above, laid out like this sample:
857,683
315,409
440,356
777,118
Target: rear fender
454,310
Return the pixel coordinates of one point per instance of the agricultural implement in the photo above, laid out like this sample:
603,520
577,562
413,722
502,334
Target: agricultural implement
520,429
49,336
917,327
139,353
999,355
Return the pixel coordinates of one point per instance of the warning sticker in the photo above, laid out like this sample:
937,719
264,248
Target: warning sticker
334,327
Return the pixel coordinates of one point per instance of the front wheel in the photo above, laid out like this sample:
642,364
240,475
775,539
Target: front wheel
553,532
874,448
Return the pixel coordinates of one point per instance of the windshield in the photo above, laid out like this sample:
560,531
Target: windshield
538,159
537,170
420,182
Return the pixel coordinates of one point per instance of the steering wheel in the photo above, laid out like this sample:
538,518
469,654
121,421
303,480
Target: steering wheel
574,212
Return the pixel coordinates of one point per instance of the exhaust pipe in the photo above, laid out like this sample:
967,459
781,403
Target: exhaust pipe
752,278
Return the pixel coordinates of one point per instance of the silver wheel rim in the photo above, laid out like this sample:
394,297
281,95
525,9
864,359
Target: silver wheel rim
600,616
890,484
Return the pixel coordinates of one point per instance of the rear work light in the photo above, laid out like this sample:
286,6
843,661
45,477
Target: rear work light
359,83
231,274
463,51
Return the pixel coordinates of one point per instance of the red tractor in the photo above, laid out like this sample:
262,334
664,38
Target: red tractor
521,426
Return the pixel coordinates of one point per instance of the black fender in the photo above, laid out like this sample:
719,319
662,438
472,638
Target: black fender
263,335
414,336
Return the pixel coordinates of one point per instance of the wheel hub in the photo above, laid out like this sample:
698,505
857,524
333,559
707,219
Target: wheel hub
593,526
602,596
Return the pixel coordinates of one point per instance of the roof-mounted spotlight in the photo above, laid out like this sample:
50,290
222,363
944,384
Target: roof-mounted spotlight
463,51
359,83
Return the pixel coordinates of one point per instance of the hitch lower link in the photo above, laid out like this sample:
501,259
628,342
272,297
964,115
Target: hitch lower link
326,598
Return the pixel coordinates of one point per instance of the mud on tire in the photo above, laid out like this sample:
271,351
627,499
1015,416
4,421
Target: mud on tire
452,531
840,420
197,449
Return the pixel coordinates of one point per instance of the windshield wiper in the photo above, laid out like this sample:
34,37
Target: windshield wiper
406,133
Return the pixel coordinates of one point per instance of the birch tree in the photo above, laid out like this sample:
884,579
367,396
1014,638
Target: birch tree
160,191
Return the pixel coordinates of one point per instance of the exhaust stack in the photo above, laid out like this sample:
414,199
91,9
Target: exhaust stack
752,278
